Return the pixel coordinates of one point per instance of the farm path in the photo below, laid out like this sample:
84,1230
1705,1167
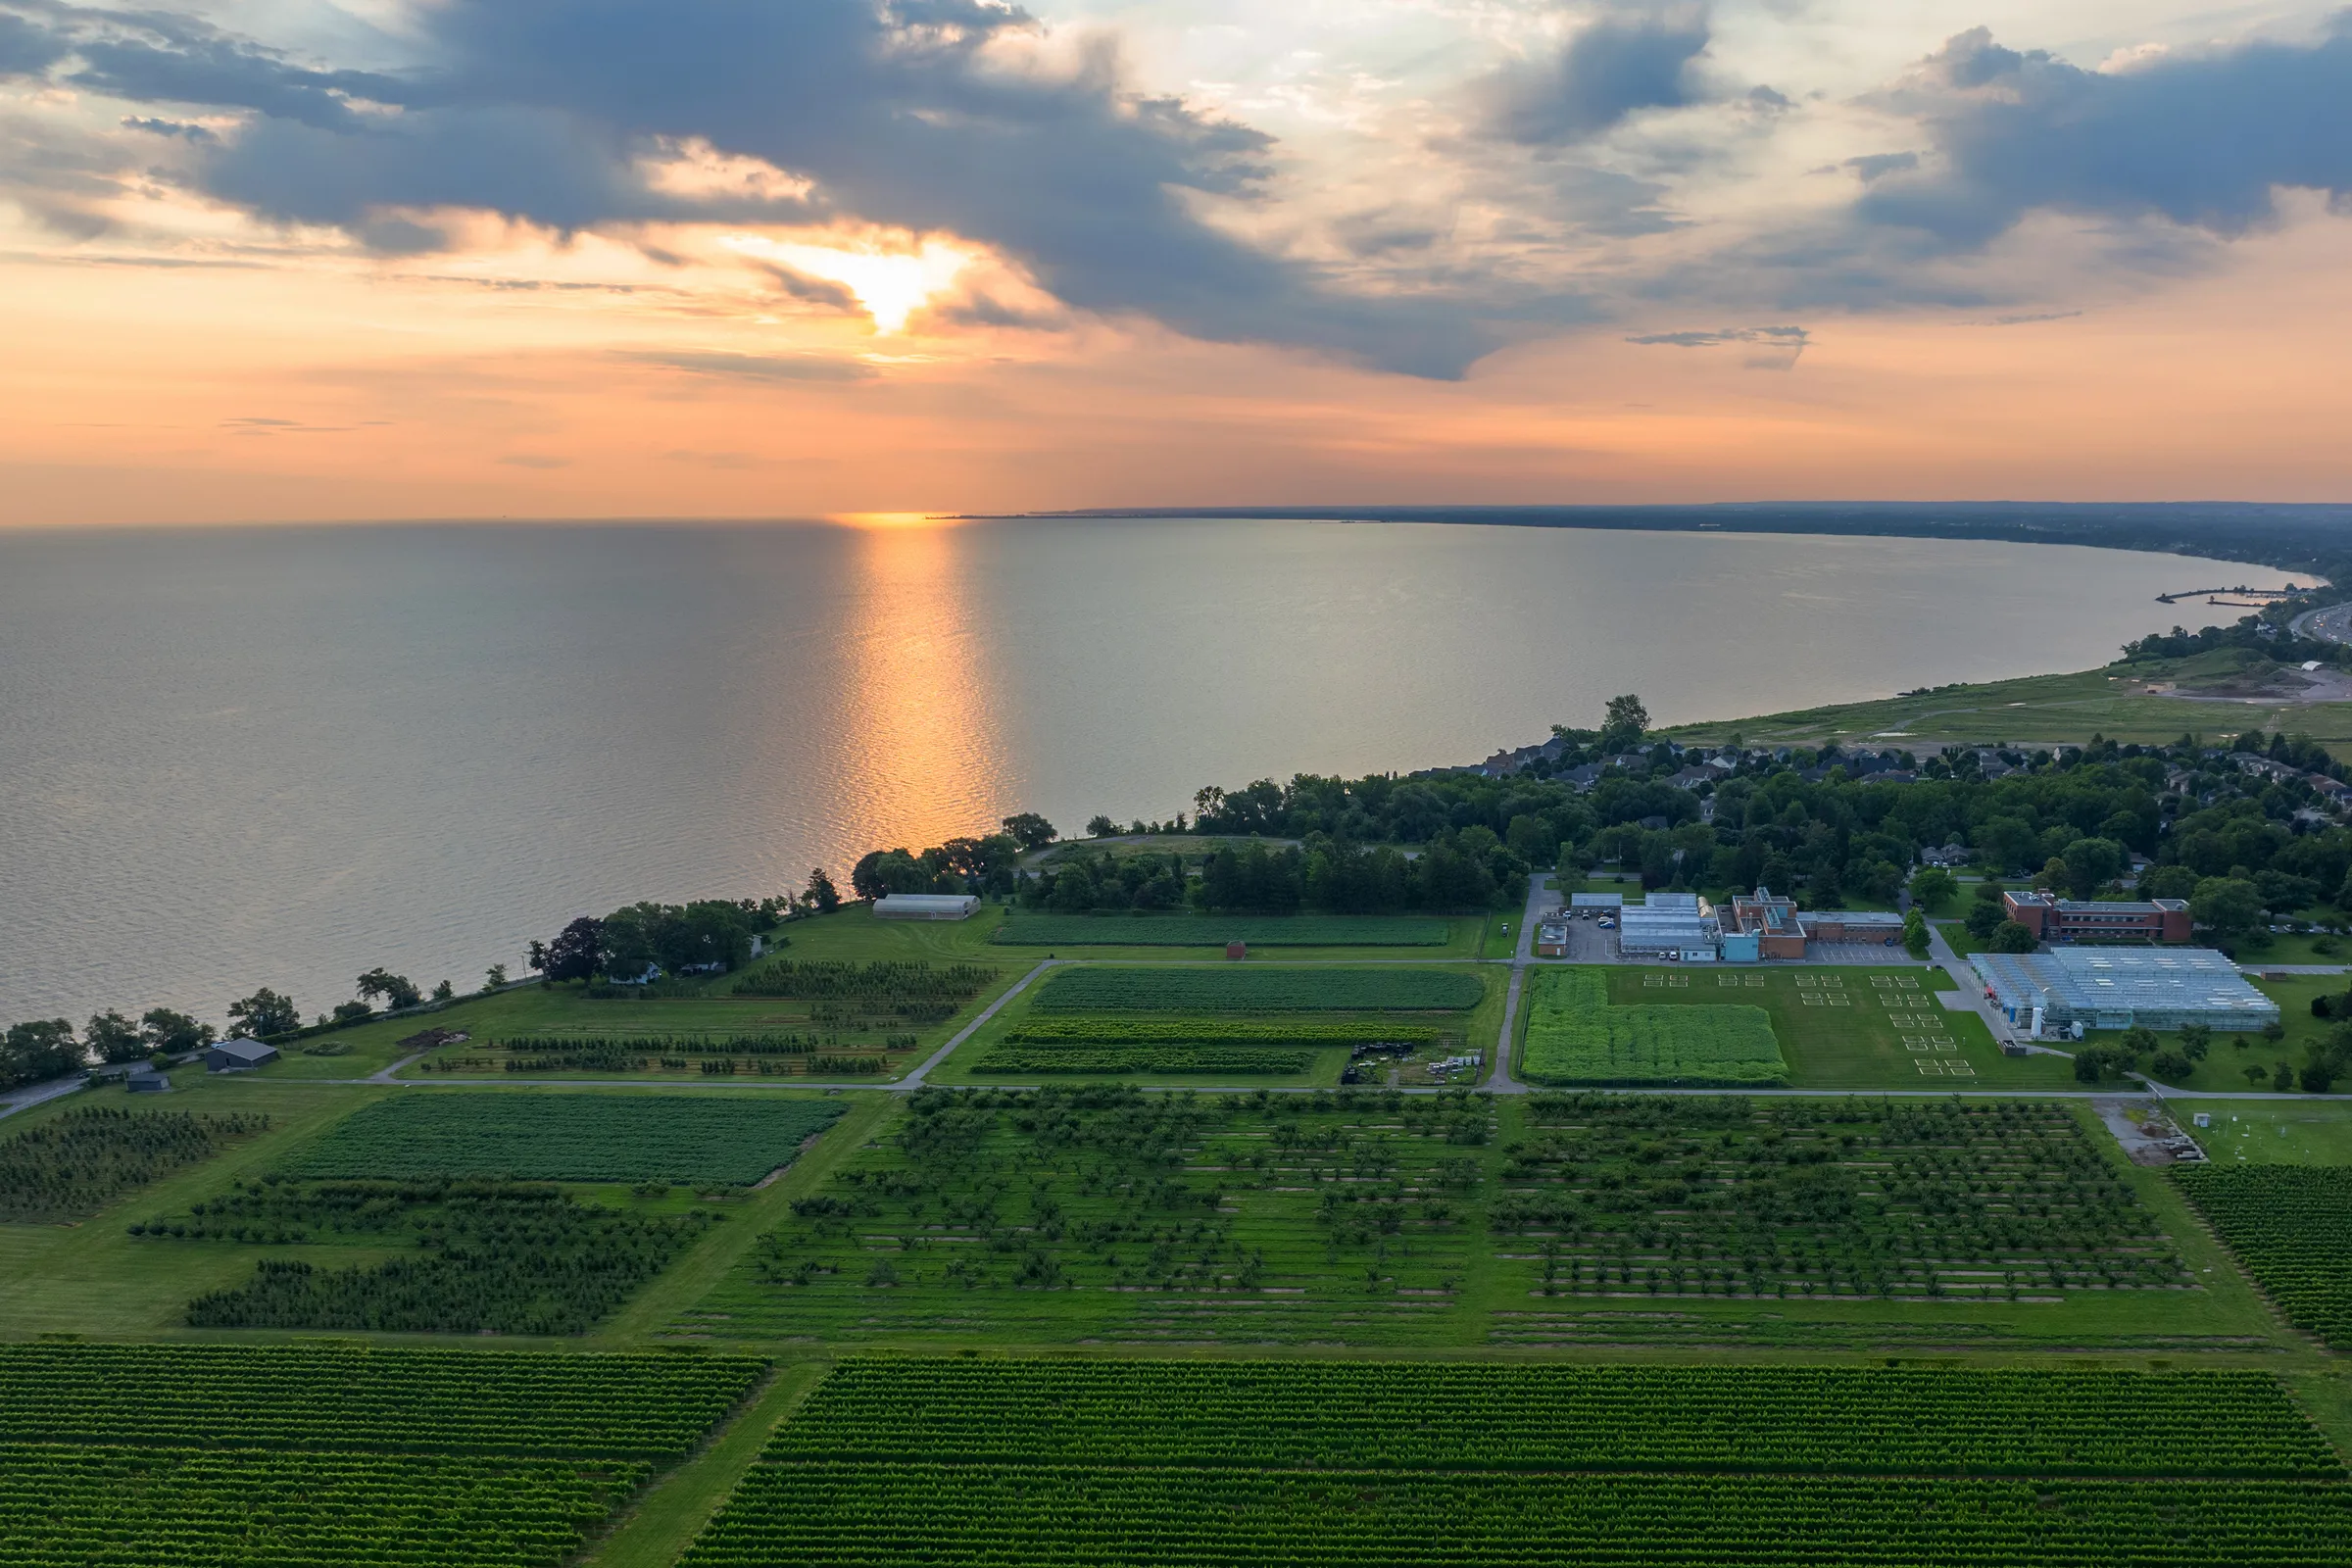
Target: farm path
914,1079
1540,899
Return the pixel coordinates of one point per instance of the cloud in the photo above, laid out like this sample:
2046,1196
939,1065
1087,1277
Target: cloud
2200,140
1612,68
927,116
1877,165
169,127
755,367
1771,348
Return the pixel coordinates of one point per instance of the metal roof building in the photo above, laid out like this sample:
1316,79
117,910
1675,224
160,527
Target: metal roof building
2115,987
1609,902
926,907
1665,922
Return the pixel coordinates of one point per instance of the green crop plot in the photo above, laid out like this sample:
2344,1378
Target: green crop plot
1574,1036
1243,1464
1127,1029
1202,931
352,1396
1110,1061
1420,1415
330,1456
1260,990
573,1137
2291,1227
79,1163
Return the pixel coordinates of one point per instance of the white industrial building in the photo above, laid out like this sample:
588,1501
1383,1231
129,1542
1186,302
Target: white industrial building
926,907
1669,925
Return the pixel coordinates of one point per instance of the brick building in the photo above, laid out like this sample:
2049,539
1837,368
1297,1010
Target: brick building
2056,920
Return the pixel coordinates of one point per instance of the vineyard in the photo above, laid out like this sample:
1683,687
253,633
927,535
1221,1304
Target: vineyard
1263,990
79,1163
354,1397
568,1138
1419,1415
2291,1228
1200,931
1202,1463
1574,1036
495,1257
313,1456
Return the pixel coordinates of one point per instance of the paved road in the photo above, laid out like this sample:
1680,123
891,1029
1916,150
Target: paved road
2332,625
28,1096
1541,901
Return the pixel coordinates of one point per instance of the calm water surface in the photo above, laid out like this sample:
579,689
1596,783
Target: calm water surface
239,757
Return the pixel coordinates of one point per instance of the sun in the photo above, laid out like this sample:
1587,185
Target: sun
891,286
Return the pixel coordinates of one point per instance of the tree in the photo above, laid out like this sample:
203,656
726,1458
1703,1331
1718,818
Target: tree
1932,887
2196,1039
1915,933
2010,937
2092,863
111,1037
349,1012
443,992
38,1049
2172,1067
2168,882
576,954
822,895
396,990
2227,907
493,979
1984,919
1099,826
266,1012
1623,724
1033,832
166,1032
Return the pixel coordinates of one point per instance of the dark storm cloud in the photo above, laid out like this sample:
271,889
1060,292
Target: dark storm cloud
1613,68
2201,140
897,109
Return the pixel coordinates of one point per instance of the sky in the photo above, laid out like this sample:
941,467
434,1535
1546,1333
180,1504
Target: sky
286,260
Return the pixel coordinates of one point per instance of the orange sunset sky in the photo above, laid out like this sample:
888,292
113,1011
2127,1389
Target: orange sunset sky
286,260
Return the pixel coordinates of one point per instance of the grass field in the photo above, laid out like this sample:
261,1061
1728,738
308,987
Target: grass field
2270,1132
1852,1028
1574,1036
2115,701
1240,989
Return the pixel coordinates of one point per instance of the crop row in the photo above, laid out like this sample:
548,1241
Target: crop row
1575,1036
1199,931
892,1514
2291,1227
571,1138
77,1505
888,981
1288,989
1081,1058
1119,1031
753,1044
77,1164
343,1397
1470,1416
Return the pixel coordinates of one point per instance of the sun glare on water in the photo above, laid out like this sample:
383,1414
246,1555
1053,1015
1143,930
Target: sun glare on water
890,285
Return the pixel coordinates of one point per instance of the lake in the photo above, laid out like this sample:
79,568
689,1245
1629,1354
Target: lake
233,758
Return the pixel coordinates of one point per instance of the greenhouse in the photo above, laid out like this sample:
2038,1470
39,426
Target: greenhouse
2118,987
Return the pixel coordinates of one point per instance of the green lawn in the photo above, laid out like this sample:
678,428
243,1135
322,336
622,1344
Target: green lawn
1837,1027
2270,1132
